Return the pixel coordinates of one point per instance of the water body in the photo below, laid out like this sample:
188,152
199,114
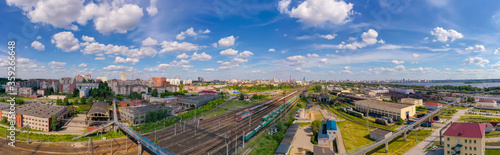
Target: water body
479,85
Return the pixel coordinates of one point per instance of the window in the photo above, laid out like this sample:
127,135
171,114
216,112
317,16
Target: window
470,147
470,141
448,152
474,148
465,153
465,140
466,148
448,145
448,139
474,141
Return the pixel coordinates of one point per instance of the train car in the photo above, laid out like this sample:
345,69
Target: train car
342,109
266,117
348,108
381,121
354,113
389,120
374,115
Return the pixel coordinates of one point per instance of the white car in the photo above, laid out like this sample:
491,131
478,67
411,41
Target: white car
434,148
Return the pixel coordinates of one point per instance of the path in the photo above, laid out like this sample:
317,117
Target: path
420,147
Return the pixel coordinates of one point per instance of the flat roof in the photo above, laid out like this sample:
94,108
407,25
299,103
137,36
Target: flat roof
4,105
380,131
383,104
143,109
39,110
99,107
282,149
322,150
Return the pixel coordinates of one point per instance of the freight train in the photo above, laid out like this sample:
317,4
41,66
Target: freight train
350,111
257,108
389,120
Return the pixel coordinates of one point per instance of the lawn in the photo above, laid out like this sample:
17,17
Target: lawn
491,111
493,134
353,135
399,146
233,105
492,151
318,116
357,119
477,118
62,138
493,143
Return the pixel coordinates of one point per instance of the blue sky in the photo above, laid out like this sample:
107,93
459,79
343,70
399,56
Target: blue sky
255,39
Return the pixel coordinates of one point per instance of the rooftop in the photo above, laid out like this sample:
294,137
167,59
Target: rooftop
433,104
143,109
39,110
322,150
487,100
380,131
99,107
383,104
4,105
475,130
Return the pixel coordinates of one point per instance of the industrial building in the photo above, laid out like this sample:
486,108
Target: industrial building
395,111
286,142
327,133
98,114
486,103
166,100
20,91
197,101
433,105
401,91
378,133
465,138
127,103
412,101
37,116
137,114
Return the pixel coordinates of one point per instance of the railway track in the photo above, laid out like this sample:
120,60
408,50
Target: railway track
209,136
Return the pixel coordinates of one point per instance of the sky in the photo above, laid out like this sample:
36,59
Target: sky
253,39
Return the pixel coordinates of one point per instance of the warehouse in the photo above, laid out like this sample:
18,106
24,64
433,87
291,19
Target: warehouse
392,110
98,114
137,114
37,116
412,101
197,101
286,142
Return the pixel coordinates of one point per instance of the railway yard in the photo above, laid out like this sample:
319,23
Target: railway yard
215,135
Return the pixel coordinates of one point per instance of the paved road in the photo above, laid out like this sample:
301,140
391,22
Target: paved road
420,147
340,142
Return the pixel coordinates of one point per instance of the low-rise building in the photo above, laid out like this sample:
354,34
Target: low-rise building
127,103
37,116
41,91
327,133
395,111
378,133
55,97
486,103
84,92
19,91
465,138
401,91
433,105
166,100
207,92
137,114
98,114
412,101
197,101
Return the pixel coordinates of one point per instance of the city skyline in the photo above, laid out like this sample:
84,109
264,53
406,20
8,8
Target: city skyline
375,40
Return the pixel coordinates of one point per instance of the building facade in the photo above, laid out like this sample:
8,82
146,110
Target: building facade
20,91
465,138
327,133
486,103
129,86
66,85
136,115
401,91
395,111
37,116
412,101
433,105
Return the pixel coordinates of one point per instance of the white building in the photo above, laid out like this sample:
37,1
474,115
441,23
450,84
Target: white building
486,103
123,77
103,79
401,90
187,81
174,81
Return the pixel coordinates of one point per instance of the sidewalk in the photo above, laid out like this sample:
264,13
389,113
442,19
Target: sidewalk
420,147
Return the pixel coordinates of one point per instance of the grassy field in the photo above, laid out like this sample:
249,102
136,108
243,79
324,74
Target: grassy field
357,119
318,116
61,138
233,105
493,134
491,111
477,118
353,135
399,146
493,143
430,147
492,151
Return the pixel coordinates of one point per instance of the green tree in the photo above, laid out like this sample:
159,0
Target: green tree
242,97
471,99
65,101
59,102
53,124
84,81
119,98
83,100
76,92
4,120
401,122
154,93
255,96
316,126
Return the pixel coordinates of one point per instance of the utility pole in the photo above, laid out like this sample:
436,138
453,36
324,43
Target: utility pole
243,137
175,129
126,144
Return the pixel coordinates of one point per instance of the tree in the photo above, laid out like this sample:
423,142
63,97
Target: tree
50,91
471,99
53,124
154,93
59,102
316,126
401,122
4,120
119,98
84,81
83,100
76,92
242,97
65,102
255,96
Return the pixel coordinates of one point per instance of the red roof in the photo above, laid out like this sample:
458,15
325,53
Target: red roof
487,100
43,89
208,91
475,130
433,104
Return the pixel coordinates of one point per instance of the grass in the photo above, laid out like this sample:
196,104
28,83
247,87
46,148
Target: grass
493,134
492,151
353,135
493,143
357,119
477,118
399,146
233,105
303,124
318,116
491,111
61,138
458,107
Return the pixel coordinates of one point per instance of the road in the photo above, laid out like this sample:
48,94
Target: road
420,147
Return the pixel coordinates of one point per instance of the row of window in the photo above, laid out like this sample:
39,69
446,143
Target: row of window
470,141
448,152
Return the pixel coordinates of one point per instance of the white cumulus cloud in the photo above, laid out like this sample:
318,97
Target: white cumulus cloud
397,62
228,52
201,57
54,64
443,35
227,41
478,61
178,47
82,65
38,46
476,48
328,36
182,56
319,12
65,41
189,32
127,60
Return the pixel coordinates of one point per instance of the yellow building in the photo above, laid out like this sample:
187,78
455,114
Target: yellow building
395,111
412,101
464,139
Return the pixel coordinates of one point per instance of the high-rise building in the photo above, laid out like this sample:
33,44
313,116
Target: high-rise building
124,76
66,85
160,82
201,79
103,79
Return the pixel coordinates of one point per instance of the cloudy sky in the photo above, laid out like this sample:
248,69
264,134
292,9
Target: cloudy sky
254,39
